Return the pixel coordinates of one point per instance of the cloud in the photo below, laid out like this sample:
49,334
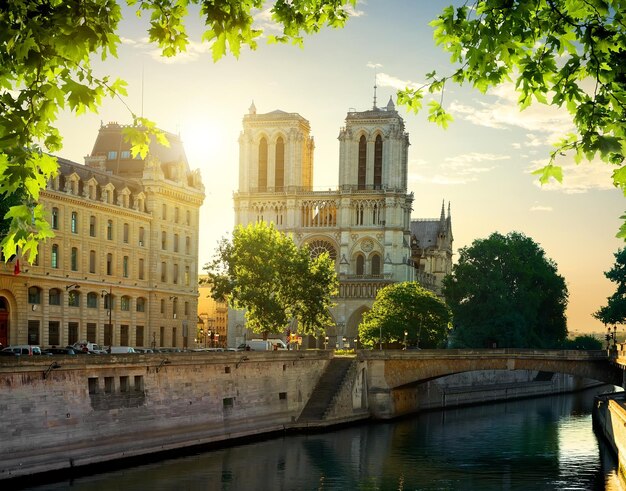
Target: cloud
456,170
547,123
577,178
541,208
194,51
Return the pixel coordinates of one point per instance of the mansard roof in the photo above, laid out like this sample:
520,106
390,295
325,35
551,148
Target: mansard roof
67,167
111,144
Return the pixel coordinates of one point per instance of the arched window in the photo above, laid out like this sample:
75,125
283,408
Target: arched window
73,298
54,259
378,162
34,295
375,265
92,300
125,303
360,265
141,304
263,165
280,165
362,162
54,296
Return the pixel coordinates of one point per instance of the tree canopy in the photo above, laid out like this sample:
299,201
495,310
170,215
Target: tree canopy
406,307
614,312
505,291
263,271
566,53
46,53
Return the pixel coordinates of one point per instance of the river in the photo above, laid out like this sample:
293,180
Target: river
535,444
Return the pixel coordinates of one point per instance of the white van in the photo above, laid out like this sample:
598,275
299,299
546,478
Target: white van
266,344
23,349
122,350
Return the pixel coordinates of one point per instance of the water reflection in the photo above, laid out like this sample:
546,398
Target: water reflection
535,444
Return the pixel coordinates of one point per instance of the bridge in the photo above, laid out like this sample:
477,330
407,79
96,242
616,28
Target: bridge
394,372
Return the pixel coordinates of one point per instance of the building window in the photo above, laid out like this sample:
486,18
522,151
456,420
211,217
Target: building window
263,165
125,154
110,230
176,214
175,242
33,332
141,238
126,230
53,333
164,211
175,307
54,296
92,300
378,162
73,299
141,304
55,219
376,264
162,336
112,155
108,301
164,240
92,226
141,269
74,259
187,276
125,266
74,223
138,335
125,304
186,308
92,261
54,259
360,265
188,217
108,336
163,272
163,306
91,332
187,245
72,332
124,334
109,264
175,271
279,182
362,162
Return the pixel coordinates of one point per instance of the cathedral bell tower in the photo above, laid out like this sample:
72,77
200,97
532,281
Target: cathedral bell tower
275,152
373,150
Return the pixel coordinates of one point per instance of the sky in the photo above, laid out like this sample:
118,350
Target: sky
481,164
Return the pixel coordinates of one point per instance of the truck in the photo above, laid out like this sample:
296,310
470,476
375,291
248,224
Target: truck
266,344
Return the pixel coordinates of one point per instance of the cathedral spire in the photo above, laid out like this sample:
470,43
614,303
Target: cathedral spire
252,109
442,218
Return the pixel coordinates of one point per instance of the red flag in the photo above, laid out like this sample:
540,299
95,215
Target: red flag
16,269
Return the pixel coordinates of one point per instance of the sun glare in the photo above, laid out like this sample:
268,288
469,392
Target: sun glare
202,140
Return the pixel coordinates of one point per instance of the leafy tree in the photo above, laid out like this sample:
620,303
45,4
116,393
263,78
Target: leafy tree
409,307
564,53
46,48
263,271
504,290
585,342
614,312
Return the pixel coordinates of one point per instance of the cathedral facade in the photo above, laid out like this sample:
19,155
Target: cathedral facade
364,224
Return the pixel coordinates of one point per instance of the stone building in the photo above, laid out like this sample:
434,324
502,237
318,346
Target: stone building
365,223
212,319
122,266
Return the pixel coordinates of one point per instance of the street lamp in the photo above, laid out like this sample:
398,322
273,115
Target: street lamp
405,335
326,342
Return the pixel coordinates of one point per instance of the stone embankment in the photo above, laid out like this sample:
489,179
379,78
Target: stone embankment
58,413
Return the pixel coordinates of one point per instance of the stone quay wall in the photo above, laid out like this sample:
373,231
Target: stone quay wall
92,409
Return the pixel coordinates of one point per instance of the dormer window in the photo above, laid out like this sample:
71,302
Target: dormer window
112,155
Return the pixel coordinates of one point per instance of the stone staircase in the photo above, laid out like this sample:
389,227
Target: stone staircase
327,386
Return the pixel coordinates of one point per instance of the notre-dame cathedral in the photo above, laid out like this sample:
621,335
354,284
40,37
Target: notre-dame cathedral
365,223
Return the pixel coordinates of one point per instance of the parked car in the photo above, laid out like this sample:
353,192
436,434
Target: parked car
121,350
24,349
59,351
89,347
266,344
144,350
